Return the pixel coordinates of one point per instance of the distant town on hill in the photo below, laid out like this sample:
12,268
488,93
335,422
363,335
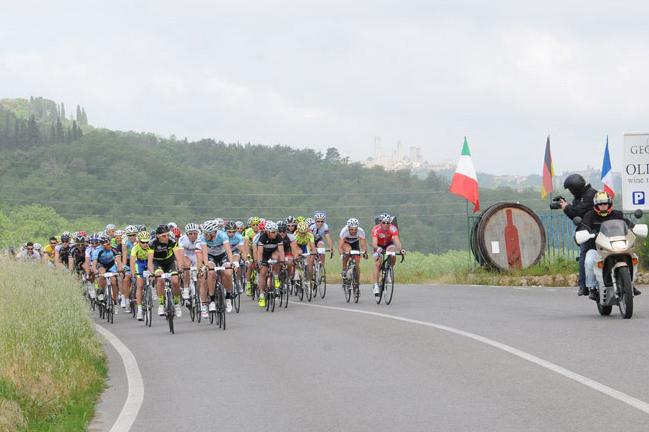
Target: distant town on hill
411,158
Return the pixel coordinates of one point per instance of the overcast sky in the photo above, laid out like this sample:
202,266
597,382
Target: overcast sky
340,73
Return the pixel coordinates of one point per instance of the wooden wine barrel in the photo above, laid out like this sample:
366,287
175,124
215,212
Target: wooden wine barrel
508,236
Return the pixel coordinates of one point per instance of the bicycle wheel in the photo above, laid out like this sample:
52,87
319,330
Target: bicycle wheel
109,305
323,282
170,311
237,301
147,306
381,282
309,289
220,307
388,285
356,284
347,289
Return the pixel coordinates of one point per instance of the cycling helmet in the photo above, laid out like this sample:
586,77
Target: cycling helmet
152,233
602,198
219,222
282,226
254,221
302,227
192,227
141,228
119,233
130,230
104,239
300,219
82,233
66,234
37,246
352,223
110,227
162,229
172,225
290,220
209,226
320,215
230,226
175,232
65,237
239,224
310,221
80,238
144,237
385,218
271,226
575,183
262,224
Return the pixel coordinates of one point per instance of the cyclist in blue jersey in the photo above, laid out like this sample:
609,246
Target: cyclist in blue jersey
106,259
238,244
216,252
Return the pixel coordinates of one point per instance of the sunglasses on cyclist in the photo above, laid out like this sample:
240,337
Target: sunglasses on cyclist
132,235
319,221
30,249
231,232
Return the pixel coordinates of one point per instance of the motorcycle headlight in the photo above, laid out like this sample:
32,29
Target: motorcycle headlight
620,244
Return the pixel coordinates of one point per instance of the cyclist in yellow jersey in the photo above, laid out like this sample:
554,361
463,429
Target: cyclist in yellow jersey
139,262
49,251
306,241
249,234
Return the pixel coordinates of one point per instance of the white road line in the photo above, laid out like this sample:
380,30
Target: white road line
595,385
135,384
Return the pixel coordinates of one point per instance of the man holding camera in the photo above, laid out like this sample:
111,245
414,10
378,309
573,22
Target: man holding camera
582,203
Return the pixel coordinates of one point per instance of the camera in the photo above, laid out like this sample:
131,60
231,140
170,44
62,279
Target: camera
555,205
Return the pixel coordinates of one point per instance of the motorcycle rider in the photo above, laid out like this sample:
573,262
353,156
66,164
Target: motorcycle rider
601,212
581,204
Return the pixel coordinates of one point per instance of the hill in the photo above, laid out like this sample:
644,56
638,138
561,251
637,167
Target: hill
106,176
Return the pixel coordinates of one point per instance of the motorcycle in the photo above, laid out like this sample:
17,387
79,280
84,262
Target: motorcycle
616,264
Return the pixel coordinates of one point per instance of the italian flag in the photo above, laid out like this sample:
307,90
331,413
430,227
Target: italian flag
465,182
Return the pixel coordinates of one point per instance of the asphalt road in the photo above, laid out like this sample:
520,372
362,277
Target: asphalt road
316,369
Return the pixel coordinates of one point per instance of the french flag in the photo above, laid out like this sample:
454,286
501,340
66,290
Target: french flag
607,174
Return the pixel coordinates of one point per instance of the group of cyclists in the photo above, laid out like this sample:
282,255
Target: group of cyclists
137,253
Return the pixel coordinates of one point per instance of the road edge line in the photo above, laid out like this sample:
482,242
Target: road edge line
588,382
135,395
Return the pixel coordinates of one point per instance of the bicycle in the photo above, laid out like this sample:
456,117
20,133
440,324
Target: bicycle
284,287
300,276
237,286
351,275
131,297
254,287
89,292
319,274
108,303
147,300
219,314
271,291
170,310
194,301
386,282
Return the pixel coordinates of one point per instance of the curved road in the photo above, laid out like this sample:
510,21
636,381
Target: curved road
318,369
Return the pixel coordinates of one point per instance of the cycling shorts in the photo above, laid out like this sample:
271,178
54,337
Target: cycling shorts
140,266
218,260
167,266
356,245
303,248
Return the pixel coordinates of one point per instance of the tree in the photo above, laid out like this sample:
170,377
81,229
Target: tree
62,110
333,155
78,117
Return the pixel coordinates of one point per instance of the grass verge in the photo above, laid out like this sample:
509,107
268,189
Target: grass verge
52,367
458,267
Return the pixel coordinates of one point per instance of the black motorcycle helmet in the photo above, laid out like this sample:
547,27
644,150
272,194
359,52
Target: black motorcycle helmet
575,183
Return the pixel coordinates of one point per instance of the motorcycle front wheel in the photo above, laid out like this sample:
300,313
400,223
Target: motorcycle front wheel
625,287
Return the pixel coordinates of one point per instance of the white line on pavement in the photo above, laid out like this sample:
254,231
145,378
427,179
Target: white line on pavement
595,385
135,384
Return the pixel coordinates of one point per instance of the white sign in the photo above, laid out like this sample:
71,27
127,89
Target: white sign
635,173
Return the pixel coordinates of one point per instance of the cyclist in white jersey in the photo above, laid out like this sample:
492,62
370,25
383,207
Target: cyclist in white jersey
352,237
191,246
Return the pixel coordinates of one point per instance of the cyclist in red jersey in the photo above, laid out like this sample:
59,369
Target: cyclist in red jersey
385,236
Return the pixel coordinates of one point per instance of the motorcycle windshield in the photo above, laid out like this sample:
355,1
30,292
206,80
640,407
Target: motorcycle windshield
614,228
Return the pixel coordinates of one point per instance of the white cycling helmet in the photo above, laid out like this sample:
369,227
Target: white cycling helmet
309,221
320,215
352,223
239,224
210,226
172,225
110,227
192,227
130,230
119,233
271,226
220,223
37,246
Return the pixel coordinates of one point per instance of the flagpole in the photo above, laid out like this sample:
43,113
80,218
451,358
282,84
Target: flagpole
468,235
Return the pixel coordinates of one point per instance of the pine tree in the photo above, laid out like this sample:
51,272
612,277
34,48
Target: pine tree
60,135
62,110
78,117
84,117
32,135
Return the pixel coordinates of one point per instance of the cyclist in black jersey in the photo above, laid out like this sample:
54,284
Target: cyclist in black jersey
165,257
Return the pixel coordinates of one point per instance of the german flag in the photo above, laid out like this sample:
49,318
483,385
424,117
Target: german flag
548,171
